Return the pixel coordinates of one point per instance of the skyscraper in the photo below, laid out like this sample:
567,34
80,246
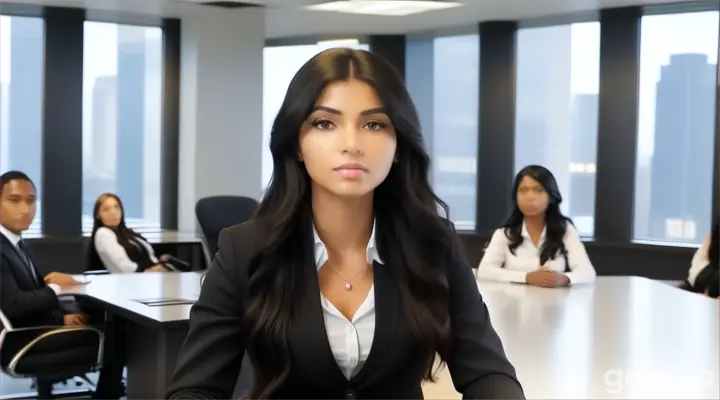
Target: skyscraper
684,126
104,127
99,171
543,105
583,154
25,97
131,118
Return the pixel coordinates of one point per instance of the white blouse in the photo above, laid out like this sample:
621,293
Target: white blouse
350,341
114,256
499,264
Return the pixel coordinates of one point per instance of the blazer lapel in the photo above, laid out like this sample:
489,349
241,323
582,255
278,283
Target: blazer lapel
16,262
308,338
388,311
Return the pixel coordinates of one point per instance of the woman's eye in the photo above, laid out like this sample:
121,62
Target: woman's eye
323,125
375,126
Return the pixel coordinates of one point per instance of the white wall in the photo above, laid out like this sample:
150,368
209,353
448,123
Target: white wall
221,99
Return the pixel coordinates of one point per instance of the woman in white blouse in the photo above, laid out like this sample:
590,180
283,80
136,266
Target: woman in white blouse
117,248
703,273
537,245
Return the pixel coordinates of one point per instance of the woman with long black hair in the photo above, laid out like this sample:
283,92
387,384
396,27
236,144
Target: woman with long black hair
537,244
117,248
347,283
704,275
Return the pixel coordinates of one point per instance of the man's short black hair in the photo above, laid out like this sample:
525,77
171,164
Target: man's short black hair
13,176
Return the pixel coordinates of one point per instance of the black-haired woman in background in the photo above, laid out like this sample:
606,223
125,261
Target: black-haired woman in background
537,244
116,247
703,276
347,283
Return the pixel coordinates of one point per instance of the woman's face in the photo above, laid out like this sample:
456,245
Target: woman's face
532,199
348,142
110,213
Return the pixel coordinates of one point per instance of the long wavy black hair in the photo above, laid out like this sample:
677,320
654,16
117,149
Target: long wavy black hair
714,249
412,238
125,235
555,221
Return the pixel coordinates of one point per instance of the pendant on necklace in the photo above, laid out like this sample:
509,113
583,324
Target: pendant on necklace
348,286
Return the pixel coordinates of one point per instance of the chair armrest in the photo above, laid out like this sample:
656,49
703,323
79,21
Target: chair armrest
45,336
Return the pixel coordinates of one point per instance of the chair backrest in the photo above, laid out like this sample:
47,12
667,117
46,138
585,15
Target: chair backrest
92,264
219,212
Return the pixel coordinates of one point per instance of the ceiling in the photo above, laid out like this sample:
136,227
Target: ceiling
286,18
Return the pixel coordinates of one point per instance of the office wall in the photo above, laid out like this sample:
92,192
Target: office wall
221,91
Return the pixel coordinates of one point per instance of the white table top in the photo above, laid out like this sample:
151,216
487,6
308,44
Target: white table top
624,337
123,290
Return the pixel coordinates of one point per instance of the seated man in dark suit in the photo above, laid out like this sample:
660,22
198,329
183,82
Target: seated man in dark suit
27,299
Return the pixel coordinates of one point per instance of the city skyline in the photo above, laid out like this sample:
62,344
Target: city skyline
128,61
573,60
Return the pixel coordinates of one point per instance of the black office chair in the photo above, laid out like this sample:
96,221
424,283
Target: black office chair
96,268
219,212
49,353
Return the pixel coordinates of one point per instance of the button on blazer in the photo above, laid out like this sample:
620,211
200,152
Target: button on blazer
209,362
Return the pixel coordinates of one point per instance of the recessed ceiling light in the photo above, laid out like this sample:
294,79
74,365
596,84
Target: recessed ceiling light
339,43
384,7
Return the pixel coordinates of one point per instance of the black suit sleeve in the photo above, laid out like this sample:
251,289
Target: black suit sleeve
16,303
209,362
478,364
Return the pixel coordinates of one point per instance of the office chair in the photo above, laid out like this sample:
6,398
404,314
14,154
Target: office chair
219,212
49,353
91,269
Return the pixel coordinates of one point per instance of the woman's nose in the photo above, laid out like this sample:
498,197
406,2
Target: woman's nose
352,143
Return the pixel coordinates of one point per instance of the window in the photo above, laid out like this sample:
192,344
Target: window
122,114
280,63
21,90
443,75
558,79
678,72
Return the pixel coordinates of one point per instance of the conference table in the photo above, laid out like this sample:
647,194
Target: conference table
156,307
623,337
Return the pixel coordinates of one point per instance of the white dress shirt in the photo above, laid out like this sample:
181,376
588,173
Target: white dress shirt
350,341
700,260
527,258
114,256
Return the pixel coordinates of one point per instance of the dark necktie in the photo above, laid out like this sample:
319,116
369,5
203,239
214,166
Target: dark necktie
26,259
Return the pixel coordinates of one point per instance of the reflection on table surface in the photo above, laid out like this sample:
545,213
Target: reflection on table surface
128,291
624,337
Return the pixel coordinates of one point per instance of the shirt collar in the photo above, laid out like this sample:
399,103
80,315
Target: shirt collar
526,234
321,256
13,238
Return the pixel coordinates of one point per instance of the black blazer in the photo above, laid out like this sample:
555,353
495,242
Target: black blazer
25,301
209,363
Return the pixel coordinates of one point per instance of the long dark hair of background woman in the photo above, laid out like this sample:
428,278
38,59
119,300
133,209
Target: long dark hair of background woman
714,249
555,221
713,287
407,221
124,234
